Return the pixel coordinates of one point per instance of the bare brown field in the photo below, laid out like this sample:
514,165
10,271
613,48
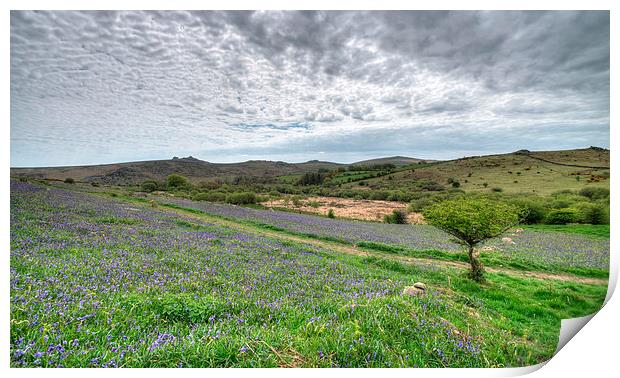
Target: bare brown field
371,210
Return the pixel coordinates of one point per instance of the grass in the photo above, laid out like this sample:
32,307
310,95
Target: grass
169,291
501,171
596,230
487,258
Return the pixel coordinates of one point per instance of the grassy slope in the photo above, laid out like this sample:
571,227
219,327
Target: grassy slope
532,176
516,320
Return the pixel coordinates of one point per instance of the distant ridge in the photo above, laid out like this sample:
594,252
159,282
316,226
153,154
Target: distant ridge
396,160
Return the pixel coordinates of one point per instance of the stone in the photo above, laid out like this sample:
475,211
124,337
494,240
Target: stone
419,285
413,291
508,240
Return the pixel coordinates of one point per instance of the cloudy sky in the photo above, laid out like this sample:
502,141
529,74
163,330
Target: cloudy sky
99,87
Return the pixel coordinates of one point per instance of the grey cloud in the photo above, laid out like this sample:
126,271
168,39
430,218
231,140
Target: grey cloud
99,79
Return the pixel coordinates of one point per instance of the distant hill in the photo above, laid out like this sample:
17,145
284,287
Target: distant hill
541,172
396,160
196,170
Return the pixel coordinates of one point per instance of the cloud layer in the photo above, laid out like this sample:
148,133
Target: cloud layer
95,87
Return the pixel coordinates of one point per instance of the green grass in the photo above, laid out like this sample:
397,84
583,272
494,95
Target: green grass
515,320
598,230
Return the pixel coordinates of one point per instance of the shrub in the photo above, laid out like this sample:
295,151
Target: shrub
176,181
456,184
418,205
69,180
594,193
594,213
497,190
431,186
379,195
210,197
241,198
532,211
397,217
330,213
563,216
149,186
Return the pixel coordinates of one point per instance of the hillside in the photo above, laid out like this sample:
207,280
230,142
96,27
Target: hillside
196,170
396,160
541,172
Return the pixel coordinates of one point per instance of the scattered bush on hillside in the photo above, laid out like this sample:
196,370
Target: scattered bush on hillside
176,181
594,193
397,217
149,186
563,216
593,213
242,198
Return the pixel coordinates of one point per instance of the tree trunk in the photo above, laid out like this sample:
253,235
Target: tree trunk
477,269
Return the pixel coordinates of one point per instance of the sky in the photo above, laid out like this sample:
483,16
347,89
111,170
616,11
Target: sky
103,86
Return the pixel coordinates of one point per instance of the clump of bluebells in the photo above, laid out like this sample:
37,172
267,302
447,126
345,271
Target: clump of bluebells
551,248
101,283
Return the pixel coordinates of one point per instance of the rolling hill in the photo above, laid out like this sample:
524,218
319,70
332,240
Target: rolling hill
196,170
541,172
396,160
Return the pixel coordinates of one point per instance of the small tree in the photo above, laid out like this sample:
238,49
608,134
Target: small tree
473,221
176,181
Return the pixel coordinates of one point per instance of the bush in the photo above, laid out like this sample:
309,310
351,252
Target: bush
330,213
431,186
594,193
397,217
418,205
242,198
532,211
497,190
149,186
563,216
210,197
69,180
379,195
456,184
176,181
594,213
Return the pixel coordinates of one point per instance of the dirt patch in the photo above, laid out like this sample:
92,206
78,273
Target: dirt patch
372,210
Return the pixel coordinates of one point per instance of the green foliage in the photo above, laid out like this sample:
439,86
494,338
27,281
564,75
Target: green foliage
472,220
379,195
176,181
311,178
149,186
242,198
593,213
69,180
430,185
210,197
330,213
594,193
563,216
533,210
397,217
